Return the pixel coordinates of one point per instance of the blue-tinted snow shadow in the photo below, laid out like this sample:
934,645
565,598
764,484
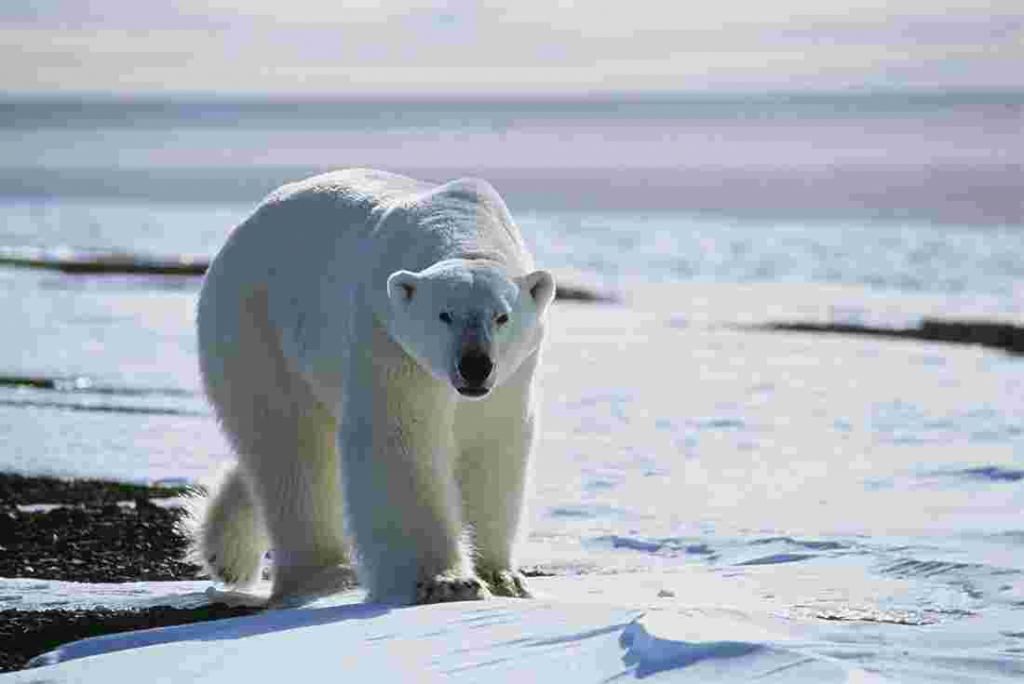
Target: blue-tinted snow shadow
993,474
648,655
777,558
982,475
216,630
660,545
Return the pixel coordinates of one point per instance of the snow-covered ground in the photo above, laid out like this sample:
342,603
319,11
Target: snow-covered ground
717,504
574,637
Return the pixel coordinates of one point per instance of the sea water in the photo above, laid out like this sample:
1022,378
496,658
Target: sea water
907,192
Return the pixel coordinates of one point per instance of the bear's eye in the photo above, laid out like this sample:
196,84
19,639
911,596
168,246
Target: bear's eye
501,319
446,318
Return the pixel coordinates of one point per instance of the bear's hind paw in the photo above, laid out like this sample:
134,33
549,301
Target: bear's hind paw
299,588
446,588
506,583
234,573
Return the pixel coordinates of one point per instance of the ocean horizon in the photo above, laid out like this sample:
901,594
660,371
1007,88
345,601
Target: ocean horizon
912,191
944,157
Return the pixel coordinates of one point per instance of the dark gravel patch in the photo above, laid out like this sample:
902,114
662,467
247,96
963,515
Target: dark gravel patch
94,543
101,532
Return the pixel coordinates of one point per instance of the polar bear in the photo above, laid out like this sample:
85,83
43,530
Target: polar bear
369,343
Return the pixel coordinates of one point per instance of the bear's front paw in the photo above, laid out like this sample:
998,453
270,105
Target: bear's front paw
506,583
445,588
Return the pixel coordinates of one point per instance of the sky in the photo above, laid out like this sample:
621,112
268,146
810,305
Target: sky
517,46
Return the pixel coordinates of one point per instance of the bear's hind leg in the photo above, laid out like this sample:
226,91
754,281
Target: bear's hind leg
284,438
228,539
296,477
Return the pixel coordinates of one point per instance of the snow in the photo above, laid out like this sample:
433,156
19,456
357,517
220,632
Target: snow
716,504
497,640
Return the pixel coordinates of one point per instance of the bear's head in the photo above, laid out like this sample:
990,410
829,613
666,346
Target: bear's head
466,322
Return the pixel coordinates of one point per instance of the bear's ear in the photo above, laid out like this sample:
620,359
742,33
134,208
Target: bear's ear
402,286
541,286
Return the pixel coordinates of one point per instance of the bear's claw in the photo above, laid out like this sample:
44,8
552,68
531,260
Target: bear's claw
445,588
506,583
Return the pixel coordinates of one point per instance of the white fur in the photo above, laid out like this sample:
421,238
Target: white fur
323,352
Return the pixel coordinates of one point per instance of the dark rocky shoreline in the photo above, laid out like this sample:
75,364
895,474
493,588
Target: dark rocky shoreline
89,531
121,263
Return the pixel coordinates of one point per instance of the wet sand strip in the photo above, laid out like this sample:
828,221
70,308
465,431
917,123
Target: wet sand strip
104,408
79,393
82,384
1003,336
73,263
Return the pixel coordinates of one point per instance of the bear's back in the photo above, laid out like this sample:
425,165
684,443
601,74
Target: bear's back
346,200
312,218
365,188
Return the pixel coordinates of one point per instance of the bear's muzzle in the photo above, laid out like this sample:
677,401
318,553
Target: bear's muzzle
475,368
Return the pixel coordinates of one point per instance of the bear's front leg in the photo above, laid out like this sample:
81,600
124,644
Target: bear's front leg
495,438
396,448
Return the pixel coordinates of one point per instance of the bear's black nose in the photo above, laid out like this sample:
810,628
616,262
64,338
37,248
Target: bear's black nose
475,367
